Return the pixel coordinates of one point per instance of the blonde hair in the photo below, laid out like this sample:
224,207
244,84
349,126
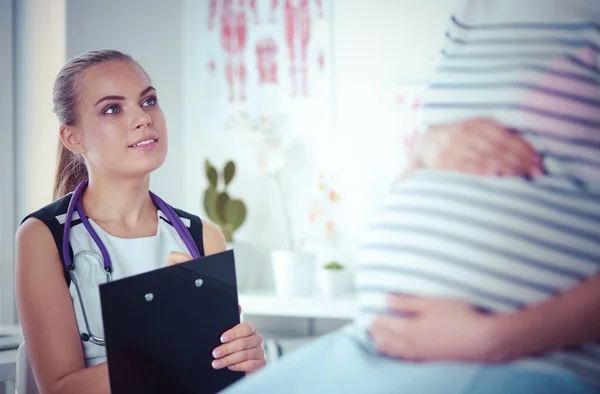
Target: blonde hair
71,169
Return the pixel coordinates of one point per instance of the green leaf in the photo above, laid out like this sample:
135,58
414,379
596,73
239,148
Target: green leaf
211,174
227,234
210,204
221,209
236,213
229,172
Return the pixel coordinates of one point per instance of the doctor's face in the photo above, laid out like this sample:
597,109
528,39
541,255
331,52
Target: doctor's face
121,124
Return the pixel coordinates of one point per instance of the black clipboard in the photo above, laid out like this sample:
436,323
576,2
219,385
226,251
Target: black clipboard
161,327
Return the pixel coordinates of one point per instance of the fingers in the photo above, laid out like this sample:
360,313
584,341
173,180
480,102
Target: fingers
249,357
480,147
508,151
470,163
177,257
407,304
386,325
389,338
240,331
242,349
249,366
516,158
237,346
389,331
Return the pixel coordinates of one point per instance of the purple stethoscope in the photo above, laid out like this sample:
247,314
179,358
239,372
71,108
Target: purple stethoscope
75,204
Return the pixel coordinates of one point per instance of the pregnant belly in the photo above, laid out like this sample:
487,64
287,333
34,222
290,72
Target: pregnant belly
498,243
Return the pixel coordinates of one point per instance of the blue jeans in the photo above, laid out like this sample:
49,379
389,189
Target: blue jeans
338,363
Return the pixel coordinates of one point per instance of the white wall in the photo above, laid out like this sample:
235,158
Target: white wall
40,53
376,43
205,136
39,37
149,30
7,162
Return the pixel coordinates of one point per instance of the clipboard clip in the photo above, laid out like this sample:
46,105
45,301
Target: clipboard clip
149,296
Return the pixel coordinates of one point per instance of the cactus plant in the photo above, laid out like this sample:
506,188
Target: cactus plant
228,213
333,265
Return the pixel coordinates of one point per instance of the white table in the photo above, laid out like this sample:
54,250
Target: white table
308,308
316,307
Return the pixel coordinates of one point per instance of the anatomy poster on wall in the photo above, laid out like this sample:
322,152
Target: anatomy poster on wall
266,57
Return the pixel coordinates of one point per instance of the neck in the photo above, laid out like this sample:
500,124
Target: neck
124,203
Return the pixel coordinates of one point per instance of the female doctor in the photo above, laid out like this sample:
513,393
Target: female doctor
113,134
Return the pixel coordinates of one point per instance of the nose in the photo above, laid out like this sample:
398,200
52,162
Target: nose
141,119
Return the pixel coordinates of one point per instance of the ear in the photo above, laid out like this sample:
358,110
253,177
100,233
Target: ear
70,138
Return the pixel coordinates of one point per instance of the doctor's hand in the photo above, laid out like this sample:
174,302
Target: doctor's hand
433,329
242,345
475,146
177,258
241,350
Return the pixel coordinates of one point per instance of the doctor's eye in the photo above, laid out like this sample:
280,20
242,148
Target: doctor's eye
113,109
150,102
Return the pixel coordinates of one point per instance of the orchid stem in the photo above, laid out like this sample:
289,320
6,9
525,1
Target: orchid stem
286,212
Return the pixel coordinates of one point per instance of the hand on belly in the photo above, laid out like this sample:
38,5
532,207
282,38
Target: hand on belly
475,146
433,329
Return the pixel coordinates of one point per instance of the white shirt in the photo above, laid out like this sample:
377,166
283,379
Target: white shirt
129,257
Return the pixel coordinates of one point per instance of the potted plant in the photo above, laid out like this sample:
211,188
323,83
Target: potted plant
227,212
331,279
270,141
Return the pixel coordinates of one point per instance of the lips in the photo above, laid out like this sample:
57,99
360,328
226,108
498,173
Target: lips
143,141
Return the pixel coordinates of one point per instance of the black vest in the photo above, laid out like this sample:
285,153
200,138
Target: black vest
50,213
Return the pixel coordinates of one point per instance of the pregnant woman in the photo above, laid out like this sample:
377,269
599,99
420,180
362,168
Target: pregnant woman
480,271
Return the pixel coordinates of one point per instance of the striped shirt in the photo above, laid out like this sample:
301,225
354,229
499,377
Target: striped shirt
503,243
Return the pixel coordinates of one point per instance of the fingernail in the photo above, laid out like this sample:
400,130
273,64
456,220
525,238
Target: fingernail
224,338
217,353
232,367
216,364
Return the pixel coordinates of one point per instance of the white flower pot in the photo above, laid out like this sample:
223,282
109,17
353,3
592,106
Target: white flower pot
332,283
293,273
244,265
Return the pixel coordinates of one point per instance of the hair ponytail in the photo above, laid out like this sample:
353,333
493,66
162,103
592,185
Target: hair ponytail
71,169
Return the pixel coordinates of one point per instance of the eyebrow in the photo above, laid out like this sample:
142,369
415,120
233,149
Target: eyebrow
106,98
